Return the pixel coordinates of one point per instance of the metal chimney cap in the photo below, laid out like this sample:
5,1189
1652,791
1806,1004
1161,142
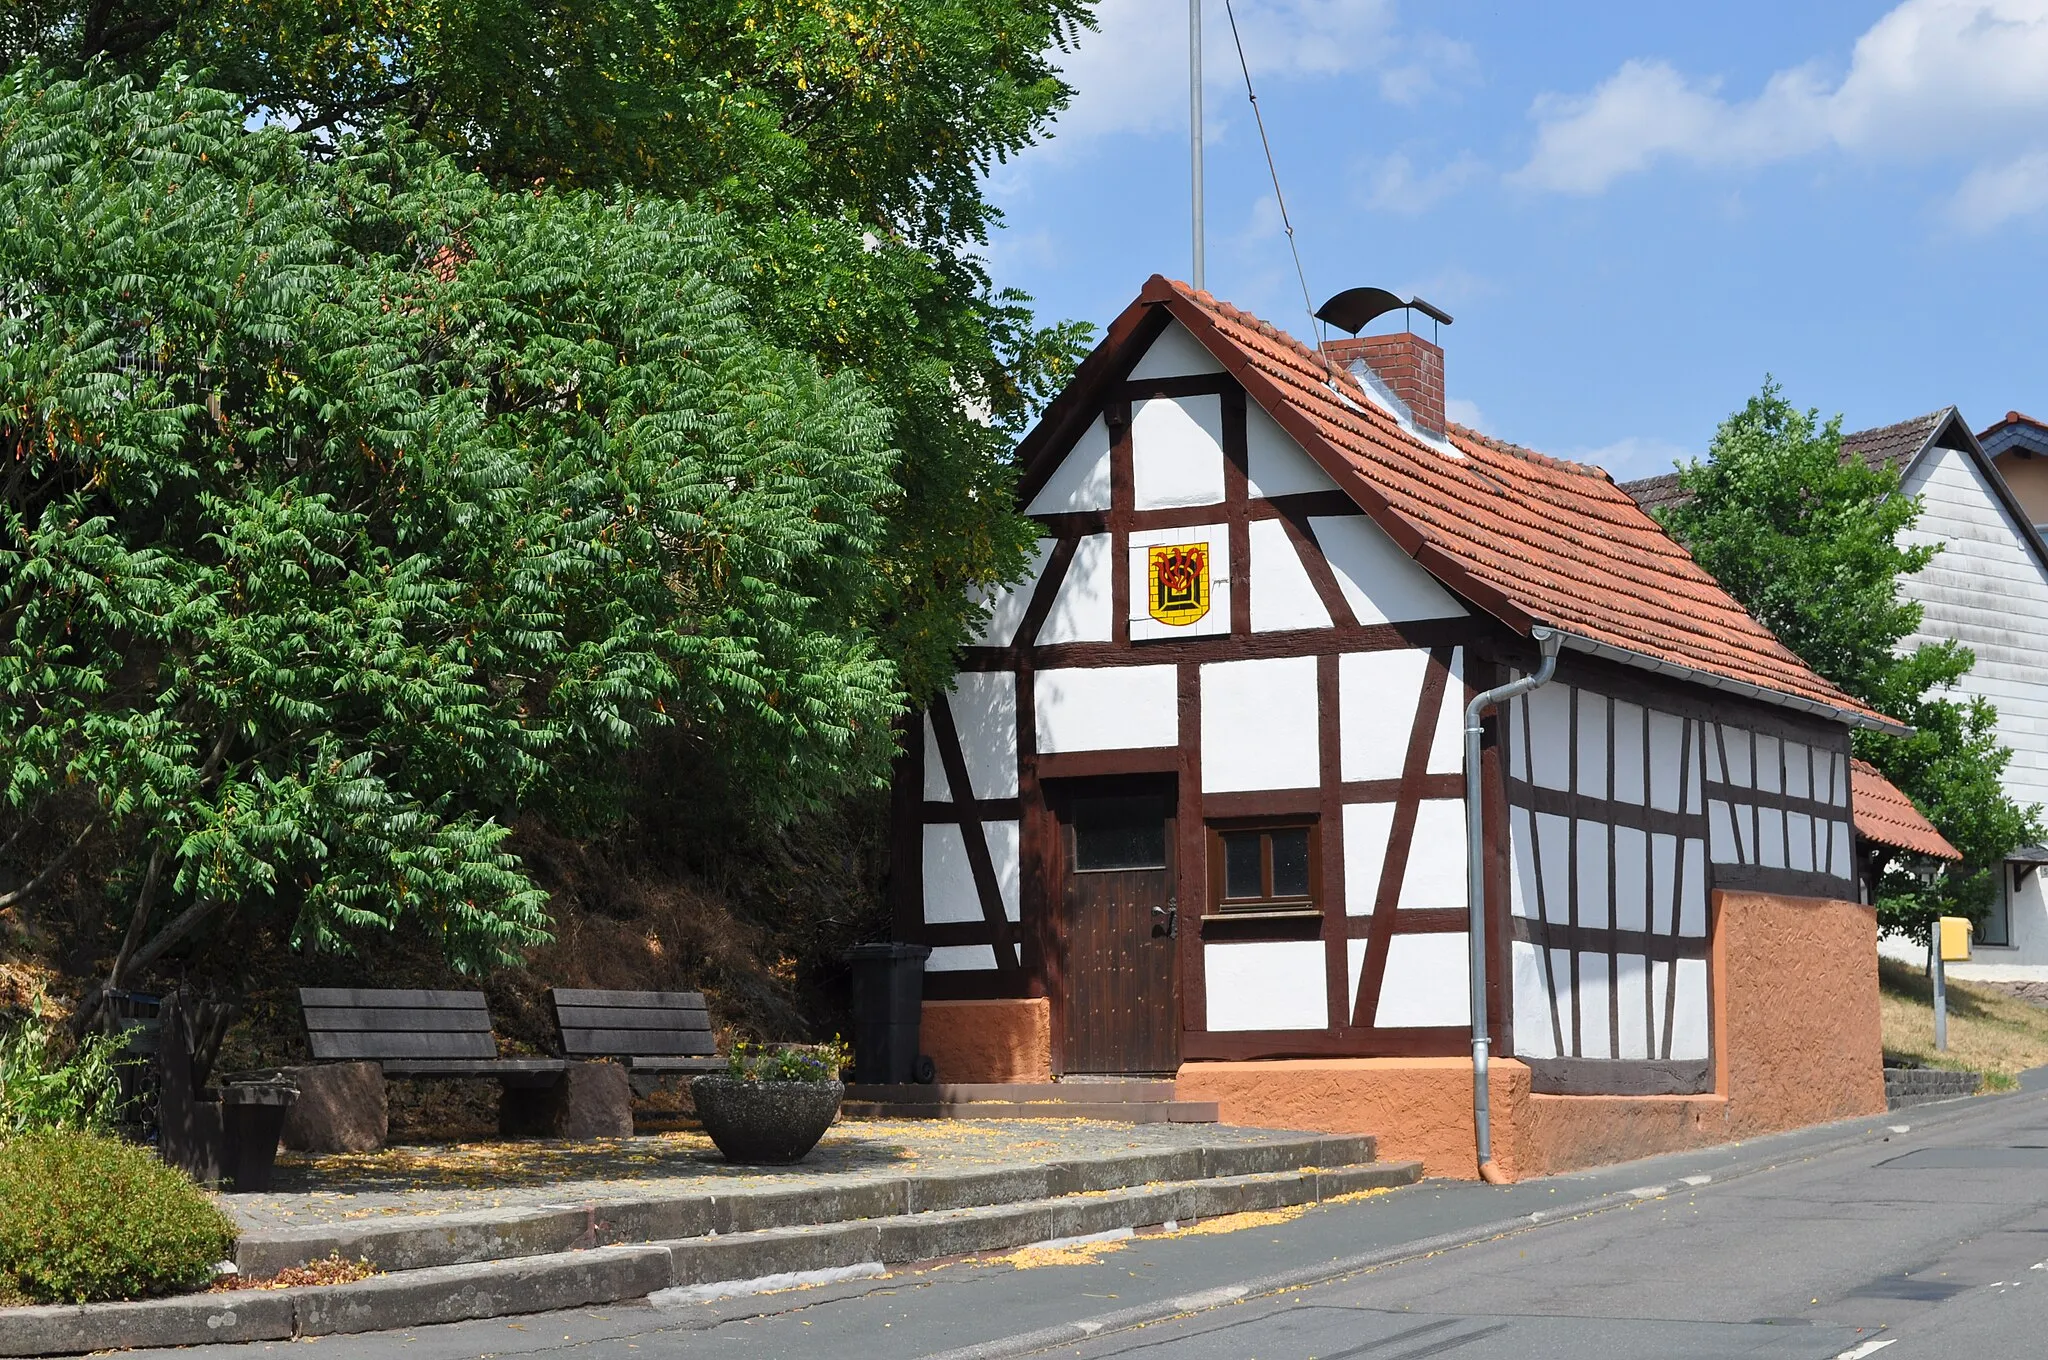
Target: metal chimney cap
1354,309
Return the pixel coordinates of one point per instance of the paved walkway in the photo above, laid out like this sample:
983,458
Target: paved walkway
425,1181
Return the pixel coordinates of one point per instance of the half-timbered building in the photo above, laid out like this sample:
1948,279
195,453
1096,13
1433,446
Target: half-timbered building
1195,804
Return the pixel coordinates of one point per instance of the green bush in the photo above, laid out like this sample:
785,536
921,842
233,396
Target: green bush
84,1217
42,1092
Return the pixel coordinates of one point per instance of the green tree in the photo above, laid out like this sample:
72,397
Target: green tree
1809,542
844,141
350,508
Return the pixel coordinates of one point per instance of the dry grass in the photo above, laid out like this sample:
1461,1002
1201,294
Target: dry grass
333,1270
1988,1031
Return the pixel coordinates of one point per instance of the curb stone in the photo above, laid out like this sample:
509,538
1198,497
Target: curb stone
531,1284
192,1320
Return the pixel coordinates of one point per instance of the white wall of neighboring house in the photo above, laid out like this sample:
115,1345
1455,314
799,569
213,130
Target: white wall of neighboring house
1989,591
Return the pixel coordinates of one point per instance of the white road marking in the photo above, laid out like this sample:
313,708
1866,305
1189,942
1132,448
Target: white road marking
1209,1298
1695,1180
1900,1128
1867,1348
1062,1243
1647,1191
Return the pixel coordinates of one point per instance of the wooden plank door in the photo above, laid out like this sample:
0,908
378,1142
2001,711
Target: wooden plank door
1121,975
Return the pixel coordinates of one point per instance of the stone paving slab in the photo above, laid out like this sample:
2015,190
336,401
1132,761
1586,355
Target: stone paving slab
426,1181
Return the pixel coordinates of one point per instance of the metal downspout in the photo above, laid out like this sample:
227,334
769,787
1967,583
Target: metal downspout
1475,888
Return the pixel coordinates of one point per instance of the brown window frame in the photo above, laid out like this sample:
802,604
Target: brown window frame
1266,905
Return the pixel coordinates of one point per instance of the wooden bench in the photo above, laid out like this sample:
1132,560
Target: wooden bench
651,1032
416,1034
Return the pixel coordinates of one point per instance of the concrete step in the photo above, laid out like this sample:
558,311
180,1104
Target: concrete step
1126,1112
943,1093
408,1244
675,1270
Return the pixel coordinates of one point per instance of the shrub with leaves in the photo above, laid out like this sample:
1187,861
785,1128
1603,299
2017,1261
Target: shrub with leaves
84,1218
47,1084
350,508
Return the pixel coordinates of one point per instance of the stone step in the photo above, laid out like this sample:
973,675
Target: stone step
1125,1112
1086,1092
611,1274
405,1244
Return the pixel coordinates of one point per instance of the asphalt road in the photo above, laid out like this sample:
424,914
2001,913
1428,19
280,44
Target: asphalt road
1847,1241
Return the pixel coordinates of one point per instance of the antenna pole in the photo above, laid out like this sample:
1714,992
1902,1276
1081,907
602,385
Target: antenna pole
1195,128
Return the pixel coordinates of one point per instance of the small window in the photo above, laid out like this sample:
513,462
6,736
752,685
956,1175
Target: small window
1119,833
1996,927
1264,868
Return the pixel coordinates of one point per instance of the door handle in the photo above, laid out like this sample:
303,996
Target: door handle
1166,919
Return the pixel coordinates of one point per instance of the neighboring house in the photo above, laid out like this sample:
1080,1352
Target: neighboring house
1987,589
1888,826
1194,804
2018,446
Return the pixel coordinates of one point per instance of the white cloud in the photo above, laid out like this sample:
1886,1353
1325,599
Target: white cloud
1463,412
1132,74
1995,194
1933,79
1395,186
1634,456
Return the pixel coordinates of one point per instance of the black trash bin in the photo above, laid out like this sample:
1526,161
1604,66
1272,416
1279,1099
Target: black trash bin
252,1118
888,1003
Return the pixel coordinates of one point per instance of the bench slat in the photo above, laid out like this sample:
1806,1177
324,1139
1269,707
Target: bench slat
636,1041
496,1068
391,998
586,996
426,1044
322,1018
655,1063
617,1017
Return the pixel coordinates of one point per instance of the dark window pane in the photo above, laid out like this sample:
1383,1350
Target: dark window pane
1120,833
1290,862
1241,874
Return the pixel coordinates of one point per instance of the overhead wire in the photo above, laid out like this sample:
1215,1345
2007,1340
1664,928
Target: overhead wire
1273,169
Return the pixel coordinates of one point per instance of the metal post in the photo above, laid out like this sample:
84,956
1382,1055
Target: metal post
1939,972
1195,128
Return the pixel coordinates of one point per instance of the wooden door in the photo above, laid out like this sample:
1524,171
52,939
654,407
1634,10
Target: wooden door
1121,974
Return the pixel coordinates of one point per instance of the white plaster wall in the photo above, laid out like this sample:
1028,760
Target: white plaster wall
1082,611
984,705
1143,626
1381,583
1435,877
949,893
1667,759
961,958
1548,715
1631,879
1081,481
1987,590
1427,982
936,790
1376,697
1521,862
1689,1015
1106,708
1531,991
1283,596
1595,1025
1007,605
1631,993
1629,740
1259,728
1175,354
1268,984
1367,829
1274,464
1447,743
1177,451
1592,743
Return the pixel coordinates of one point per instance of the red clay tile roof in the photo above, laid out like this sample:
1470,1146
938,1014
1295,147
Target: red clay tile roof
1530,539
1894,445
1884,814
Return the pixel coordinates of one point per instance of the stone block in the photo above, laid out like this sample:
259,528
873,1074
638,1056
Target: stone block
591,1100
342,1107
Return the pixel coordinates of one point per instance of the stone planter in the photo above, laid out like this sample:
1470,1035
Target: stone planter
770,1123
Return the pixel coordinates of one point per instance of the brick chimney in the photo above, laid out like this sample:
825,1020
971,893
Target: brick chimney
1408,364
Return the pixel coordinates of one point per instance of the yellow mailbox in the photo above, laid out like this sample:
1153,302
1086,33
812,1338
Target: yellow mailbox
1955,939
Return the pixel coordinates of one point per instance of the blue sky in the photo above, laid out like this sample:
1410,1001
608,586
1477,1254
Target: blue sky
1635,211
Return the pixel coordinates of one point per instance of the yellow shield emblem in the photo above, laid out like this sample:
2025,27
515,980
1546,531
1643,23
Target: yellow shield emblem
1177,577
